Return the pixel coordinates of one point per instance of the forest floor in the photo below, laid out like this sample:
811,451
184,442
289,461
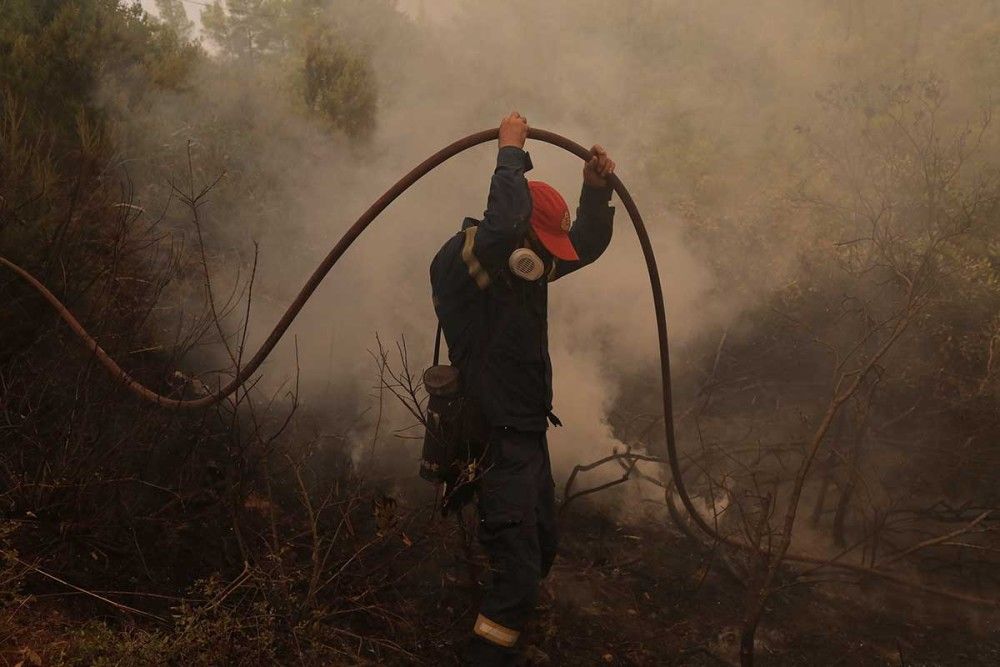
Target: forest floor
632,591
632,595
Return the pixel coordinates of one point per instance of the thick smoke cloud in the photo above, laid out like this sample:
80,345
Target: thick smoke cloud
459,74
695,101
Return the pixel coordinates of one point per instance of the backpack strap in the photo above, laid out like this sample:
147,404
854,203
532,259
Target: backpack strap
476,270
437,345
477,273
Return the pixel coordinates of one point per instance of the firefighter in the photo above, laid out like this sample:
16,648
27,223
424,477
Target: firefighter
490,291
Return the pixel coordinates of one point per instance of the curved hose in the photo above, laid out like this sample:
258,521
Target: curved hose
341,247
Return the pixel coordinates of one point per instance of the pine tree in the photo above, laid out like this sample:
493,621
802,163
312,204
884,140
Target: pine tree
173,14
300,43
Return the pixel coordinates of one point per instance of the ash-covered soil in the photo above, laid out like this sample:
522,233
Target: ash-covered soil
626,589
628,594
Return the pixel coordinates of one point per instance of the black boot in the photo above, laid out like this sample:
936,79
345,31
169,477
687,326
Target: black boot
481,653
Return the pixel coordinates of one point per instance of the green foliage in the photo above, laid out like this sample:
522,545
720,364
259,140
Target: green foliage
201,634
63,69
300,44
250,29
175,17
338,85
54,56
68,71
95,643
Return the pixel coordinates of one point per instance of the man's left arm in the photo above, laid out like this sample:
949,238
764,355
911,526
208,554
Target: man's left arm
591,232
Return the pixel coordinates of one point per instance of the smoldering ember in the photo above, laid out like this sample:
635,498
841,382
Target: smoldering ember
457,332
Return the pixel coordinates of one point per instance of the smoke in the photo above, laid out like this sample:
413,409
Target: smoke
696,101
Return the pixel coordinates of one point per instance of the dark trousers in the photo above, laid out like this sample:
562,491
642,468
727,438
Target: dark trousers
517,529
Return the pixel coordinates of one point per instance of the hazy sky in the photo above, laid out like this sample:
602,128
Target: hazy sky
426,9
193,8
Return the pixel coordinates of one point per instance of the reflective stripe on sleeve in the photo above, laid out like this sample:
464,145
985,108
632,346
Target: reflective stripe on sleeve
476,270
495,633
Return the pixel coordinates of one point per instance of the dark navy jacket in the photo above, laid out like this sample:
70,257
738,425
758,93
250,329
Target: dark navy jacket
496,325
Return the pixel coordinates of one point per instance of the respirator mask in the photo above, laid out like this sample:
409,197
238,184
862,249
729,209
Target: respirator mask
525,264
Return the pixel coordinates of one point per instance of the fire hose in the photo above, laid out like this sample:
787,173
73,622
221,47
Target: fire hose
351,235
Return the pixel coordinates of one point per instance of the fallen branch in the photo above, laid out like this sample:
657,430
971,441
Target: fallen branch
936,540
84,591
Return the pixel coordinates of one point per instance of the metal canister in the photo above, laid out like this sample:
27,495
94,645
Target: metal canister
443,422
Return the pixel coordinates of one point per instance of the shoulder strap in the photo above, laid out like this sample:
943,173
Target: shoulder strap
476,270
437,345
477,273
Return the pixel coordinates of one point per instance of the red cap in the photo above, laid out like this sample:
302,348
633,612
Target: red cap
550,220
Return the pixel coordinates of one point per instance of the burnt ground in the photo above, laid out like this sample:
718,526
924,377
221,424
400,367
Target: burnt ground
633,591
642,595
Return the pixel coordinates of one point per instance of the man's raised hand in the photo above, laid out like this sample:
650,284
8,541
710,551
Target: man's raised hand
513,130
598,168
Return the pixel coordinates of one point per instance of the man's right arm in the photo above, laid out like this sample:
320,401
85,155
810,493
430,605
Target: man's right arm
508,207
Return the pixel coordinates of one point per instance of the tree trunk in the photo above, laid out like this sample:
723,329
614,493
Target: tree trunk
828,467
853,456
746,644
